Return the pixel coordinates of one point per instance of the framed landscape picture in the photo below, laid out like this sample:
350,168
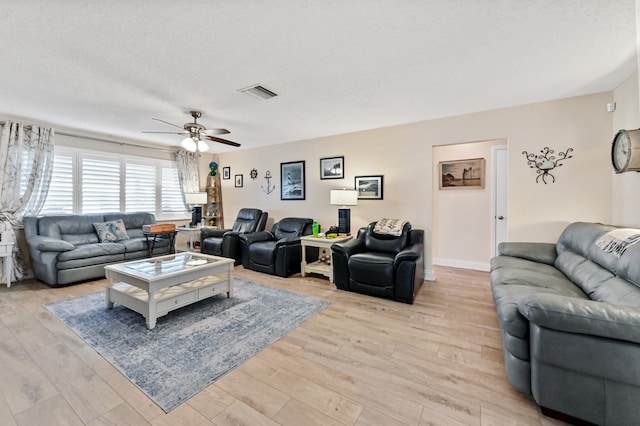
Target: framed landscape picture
369,187
292,180
462,174
226,173
332,168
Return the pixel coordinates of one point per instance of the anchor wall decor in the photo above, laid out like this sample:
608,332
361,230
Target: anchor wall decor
269,188
546,161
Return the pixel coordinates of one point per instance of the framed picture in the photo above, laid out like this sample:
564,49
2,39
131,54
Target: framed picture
292,180
369,187
238,181
332,168
462,174
226,173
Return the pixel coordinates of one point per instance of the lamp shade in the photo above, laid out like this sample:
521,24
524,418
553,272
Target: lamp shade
189,144
195,198
344,197
202,146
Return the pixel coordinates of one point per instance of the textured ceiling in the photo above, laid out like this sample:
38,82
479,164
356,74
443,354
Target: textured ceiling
338,66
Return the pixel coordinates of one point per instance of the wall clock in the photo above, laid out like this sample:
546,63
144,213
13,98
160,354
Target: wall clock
625,151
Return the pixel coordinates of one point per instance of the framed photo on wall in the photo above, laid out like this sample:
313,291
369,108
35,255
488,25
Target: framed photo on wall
332,168
369,187
226,173
292,180
239,181
462,174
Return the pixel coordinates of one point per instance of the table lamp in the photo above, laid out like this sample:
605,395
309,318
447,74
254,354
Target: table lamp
344,197
195,200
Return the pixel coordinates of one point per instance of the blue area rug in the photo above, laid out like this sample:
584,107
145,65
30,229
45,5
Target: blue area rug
190,347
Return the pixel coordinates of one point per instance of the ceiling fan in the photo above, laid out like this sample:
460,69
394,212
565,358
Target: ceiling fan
197,134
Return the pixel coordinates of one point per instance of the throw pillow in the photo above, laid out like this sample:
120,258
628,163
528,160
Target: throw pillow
110,232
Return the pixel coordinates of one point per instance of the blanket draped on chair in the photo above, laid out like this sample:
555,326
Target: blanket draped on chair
389,227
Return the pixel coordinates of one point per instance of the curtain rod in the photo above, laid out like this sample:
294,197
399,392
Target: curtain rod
28,127
115,142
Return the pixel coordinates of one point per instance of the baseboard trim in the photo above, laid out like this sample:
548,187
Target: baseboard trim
429,275
478,266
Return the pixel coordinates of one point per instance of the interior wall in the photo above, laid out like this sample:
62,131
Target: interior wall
403,154
624,189
462,217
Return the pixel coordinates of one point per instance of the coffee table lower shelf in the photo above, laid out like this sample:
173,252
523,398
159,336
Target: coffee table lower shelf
169,298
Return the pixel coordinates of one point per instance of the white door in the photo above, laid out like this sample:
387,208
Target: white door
500,159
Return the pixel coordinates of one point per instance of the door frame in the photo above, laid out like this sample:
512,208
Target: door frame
494,190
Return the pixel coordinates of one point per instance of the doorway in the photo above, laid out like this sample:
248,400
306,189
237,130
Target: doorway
500,161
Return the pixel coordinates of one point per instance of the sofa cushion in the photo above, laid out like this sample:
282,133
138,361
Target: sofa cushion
375,269
91,250
111,231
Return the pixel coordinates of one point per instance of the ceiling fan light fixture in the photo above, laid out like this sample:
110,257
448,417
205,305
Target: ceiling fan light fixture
189,144
202,146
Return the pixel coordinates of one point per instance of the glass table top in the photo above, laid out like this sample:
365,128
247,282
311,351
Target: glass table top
175,263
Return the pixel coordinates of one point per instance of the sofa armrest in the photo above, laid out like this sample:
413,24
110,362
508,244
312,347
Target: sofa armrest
348,248
288,242
582,316
410,253
43,243
254,237
536,252
212,232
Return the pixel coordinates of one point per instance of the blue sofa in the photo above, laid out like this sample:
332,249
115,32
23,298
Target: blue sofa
66,249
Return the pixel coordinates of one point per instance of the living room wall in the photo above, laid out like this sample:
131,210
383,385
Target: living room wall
625,186
403,154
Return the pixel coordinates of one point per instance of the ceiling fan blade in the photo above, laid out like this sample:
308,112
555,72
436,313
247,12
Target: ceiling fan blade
169,133
224,141
166,122
211,132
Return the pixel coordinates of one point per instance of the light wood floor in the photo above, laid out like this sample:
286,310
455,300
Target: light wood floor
362,361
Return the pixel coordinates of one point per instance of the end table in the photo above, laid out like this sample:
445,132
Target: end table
323,243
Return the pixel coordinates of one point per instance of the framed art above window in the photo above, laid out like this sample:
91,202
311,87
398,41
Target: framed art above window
332,168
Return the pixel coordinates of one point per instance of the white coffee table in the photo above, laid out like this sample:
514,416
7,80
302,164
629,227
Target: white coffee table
154,287
322,243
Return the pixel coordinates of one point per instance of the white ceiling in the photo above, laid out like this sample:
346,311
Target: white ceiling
338,65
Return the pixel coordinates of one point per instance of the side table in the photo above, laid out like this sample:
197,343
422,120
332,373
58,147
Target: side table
6,252
151,244
194,234
322,243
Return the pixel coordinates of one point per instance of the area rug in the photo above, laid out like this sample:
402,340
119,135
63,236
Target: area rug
190,347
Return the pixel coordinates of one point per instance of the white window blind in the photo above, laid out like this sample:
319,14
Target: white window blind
100,185
140,188
171,195
60,196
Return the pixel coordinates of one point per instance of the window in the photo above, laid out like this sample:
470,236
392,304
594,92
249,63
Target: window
140,188
100,182
90,182
172,201
60,196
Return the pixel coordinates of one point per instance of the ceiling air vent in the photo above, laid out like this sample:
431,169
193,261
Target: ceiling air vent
258,91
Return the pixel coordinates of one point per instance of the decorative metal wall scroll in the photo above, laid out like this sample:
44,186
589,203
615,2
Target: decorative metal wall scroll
546,161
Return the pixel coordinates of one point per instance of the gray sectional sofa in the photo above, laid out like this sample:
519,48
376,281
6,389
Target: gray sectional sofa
569,316
66,249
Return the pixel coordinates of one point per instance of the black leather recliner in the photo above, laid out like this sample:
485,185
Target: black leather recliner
381,265
278,252
226,242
